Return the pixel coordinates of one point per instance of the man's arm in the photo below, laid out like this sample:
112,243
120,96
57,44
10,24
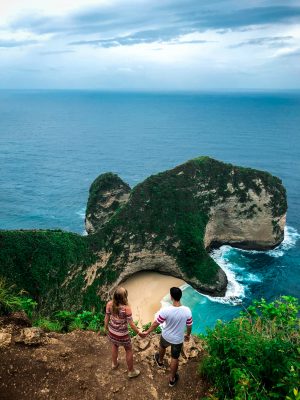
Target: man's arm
154,325
189,323
159,320
188,333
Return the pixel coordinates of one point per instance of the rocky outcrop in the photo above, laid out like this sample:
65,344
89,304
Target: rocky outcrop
107,194
168,223
249,225
174,218
77,365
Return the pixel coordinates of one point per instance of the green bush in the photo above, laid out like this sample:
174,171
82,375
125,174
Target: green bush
10,300
256,356
65,318
28,305
90,320
48,326
76,324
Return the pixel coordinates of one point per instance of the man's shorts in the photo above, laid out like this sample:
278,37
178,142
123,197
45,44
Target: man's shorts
175,348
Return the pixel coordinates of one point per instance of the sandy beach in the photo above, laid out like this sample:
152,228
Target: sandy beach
145,292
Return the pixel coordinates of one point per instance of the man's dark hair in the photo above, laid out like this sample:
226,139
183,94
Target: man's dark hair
176,293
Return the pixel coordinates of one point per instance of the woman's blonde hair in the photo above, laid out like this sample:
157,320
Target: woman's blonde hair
119,299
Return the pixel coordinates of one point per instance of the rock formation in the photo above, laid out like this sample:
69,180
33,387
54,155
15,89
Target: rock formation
107,194
173,218
168,223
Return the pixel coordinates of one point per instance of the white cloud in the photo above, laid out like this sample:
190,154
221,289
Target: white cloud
136,44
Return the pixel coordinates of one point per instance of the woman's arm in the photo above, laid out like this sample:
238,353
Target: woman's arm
133,327
154,325
130,320
107,315
106,321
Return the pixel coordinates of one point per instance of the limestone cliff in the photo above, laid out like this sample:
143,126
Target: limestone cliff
107,193
173,218
167,224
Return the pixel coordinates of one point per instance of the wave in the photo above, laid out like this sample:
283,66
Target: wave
291,237
81,213
235,291
237,275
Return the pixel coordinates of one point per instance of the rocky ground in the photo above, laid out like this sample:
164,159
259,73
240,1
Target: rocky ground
37,365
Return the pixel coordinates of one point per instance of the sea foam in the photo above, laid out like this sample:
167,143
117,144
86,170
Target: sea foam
238,277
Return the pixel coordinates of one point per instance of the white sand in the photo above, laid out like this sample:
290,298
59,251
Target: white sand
145,292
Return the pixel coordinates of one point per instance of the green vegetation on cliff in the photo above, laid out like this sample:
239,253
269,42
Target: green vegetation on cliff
167,214
41,261
256,356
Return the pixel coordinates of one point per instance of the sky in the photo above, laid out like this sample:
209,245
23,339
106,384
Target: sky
154,45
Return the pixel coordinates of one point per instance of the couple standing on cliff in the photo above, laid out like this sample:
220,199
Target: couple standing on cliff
174,319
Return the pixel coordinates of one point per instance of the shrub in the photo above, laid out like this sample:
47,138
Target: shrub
28,305
49,326
11,301
90,320
256,356
65,318
76,324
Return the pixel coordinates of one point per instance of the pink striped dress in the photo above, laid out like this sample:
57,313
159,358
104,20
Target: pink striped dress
118,325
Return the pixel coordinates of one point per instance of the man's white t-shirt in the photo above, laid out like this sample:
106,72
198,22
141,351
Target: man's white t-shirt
174,320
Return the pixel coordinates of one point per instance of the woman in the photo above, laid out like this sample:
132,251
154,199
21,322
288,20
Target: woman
118,316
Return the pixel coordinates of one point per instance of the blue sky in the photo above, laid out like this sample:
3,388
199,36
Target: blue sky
150,45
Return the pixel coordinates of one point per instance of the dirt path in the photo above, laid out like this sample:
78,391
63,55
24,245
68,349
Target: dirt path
77,366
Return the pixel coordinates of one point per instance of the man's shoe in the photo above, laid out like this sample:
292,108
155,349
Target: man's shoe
156,359
173,383
134,373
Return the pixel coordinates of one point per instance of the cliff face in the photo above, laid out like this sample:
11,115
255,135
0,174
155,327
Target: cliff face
167,224
107,193
173,218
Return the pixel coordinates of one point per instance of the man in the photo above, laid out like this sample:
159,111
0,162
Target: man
174,319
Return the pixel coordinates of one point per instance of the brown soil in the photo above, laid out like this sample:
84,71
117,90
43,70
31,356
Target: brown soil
77,366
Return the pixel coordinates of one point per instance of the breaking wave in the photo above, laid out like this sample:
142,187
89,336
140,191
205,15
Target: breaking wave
238,276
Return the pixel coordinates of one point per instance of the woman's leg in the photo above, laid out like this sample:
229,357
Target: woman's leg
114,353
129,358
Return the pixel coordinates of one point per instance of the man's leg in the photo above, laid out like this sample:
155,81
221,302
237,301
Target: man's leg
173,368
158,357
175,353
162,352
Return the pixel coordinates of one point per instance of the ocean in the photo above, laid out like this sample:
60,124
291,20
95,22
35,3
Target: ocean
53,144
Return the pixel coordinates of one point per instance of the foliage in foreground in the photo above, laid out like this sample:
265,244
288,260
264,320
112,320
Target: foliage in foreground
10,300
256,356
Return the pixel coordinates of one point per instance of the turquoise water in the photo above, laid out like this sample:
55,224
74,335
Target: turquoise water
54,143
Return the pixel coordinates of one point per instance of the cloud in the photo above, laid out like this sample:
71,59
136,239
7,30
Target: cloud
138,21
207,31
150,36
295,53
275,41
53,52
16,43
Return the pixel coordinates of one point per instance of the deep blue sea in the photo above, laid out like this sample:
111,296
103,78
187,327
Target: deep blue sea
53,144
